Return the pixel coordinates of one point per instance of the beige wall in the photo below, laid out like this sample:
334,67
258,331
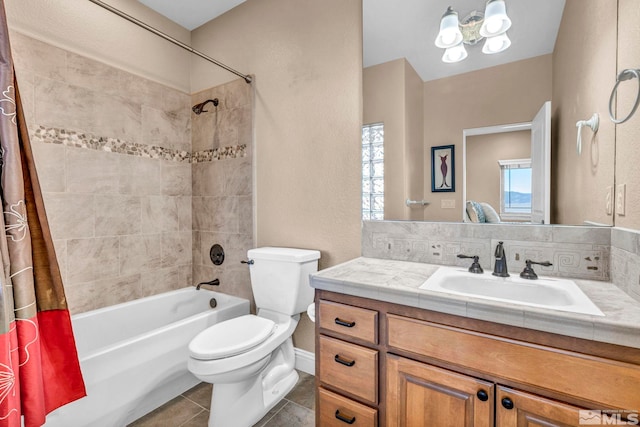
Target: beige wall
471,100
483,170
82,27
628,134
392,94
307,59
582,82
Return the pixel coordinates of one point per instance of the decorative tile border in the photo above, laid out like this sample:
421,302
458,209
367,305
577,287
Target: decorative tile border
219,154
70,138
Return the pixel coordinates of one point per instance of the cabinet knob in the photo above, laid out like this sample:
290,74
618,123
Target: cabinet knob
507,403
344,419
482,395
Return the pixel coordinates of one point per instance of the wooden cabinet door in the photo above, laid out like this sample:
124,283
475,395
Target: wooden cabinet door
519,409
420,395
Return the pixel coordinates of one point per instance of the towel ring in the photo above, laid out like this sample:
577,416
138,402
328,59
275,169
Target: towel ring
627,74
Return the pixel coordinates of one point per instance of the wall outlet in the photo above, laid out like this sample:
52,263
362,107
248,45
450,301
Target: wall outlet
448,204
609,200
620,198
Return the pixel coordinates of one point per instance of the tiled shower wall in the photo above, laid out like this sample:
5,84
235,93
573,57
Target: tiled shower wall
222,185
113,156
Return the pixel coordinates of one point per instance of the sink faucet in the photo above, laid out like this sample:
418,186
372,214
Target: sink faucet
500,268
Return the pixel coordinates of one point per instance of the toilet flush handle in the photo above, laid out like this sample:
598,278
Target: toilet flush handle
250,262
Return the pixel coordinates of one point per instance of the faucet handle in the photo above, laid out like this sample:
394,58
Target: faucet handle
528,272
475,266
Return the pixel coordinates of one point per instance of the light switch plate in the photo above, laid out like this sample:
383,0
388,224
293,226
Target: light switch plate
609,200
620,198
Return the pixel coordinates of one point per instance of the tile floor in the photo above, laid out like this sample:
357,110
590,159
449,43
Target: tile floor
191,409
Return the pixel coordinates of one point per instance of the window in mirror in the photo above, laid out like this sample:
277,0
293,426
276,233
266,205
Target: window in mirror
515,189
373,172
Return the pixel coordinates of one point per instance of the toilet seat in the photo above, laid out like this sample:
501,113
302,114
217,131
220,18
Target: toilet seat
231,337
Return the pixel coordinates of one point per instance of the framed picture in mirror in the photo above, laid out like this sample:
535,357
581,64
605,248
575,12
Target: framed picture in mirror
443,175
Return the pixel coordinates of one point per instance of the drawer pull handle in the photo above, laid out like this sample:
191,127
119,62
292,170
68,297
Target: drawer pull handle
482,395
343,361
344,323
507,403
348,420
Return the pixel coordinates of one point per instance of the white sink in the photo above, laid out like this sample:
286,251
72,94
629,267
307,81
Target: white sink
546,292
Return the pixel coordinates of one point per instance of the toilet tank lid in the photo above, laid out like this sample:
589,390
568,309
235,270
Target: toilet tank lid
283,254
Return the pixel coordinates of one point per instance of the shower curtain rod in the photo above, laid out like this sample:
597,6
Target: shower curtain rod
247,78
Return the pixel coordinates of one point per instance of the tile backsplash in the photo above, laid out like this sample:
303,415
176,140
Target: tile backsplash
580,252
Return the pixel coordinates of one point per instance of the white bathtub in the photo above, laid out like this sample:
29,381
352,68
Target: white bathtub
134,355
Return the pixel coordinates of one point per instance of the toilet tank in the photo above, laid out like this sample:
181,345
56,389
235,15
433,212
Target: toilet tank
280,278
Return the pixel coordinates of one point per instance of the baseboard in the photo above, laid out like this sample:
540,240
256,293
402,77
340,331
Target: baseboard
305,361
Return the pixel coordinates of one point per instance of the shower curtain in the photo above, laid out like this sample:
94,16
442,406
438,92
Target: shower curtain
39,368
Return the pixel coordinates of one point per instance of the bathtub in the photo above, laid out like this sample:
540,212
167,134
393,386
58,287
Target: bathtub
134,355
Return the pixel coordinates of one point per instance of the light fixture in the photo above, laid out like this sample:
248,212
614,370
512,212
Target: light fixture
496,44
454,54
476,26
450,34
496,21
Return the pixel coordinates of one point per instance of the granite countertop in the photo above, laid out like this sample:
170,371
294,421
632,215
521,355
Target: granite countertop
399,281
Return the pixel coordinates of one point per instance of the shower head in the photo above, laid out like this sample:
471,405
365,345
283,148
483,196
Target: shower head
199,108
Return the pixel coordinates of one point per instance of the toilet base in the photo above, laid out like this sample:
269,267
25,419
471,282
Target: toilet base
243,403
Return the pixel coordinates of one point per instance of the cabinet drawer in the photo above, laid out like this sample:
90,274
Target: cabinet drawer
350,368
591,378
348,320
338,411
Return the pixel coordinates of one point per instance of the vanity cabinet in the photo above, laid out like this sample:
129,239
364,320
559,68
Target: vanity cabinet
424,368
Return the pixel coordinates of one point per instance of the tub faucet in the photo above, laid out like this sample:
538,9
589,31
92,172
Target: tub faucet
500,268
214,282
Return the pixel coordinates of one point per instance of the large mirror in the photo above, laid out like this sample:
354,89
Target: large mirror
422,102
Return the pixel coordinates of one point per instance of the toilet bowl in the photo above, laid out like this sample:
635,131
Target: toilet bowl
250,359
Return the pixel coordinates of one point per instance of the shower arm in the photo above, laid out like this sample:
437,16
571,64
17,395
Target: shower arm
199,108
247,78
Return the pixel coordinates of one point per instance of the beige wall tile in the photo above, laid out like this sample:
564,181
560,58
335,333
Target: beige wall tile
65,106
166,279
117,117
87,296
176,248
176,178
237,176
185,220
140,253
237,93
225,214
166,129
92,259
202,129
41,58
138,175
91,171
118,215
203,213
91,74
50,166
196,252
71,215
141,90
209,178
152,214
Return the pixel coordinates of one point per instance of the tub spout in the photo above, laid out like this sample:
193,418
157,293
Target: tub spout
214,282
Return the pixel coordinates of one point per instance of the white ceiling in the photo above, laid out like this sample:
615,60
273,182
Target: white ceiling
408,28
191,13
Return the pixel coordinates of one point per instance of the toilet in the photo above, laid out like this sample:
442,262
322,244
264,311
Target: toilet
250,359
